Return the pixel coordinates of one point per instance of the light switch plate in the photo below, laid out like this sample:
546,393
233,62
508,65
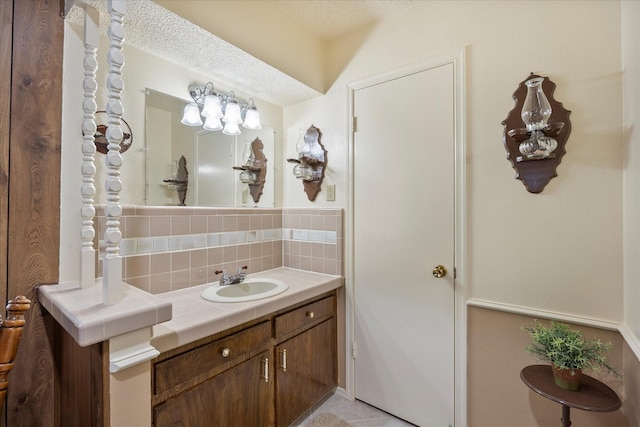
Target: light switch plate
331,193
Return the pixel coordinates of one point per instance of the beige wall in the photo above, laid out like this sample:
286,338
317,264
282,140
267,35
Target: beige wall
544,251
631,144
497,396
631,224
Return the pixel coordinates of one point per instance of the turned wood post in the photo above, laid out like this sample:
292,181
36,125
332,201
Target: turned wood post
10,334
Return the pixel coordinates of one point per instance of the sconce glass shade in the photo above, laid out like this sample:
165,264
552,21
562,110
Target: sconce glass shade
212,107
231,129
247,154
232,112
536,109
248,177
212,123
191,115
252,117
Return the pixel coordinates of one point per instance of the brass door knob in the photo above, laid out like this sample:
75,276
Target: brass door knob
439,271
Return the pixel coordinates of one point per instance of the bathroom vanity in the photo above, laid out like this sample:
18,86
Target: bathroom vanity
263,372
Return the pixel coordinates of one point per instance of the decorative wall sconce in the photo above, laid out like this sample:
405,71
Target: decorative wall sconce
311,161
535,150
254,168
218,108
179,180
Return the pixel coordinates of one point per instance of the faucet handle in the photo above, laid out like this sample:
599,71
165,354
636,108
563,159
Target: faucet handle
224,272
244,267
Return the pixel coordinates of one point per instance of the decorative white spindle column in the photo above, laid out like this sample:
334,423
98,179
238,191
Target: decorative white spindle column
112,268
87,254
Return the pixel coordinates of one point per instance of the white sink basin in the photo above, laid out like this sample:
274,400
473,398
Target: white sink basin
249,290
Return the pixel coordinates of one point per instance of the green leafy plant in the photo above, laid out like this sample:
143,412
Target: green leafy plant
566,348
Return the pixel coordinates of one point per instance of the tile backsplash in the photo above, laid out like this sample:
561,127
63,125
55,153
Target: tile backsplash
170,248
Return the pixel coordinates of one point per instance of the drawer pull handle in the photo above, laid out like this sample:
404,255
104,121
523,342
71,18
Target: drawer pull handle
283,360
265,375
225,352
310,314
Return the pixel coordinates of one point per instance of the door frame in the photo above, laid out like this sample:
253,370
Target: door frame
457,58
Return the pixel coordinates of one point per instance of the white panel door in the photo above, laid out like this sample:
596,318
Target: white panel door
404,222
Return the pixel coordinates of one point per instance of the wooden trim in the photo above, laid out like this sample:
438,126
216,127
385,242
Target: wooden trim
34,196
6,41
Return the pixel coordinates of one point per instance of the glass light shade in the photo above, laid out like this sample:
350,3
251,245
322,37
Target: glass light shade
247,154
191,115
212,123
252,119
231,129
248,177
536,109
212,107
232,112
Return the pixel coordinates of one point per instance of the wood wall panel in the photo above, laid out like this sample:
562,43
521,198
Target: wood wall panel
6,32
34,199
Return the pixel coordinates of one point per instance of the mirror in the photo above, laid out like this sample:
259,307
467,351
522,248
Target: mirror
210,159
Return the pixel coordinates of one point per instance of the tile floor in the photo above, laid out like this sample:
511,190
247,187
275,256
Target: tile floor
337,411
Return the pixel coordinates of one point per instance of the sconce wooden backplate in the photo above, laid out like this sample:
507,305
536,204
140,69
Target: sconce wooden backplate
259,168
312,188
259,158
536,174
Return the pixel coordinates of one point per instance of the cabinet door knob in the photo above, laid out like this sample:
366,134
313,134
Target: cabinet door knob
310,314
283,359
225,352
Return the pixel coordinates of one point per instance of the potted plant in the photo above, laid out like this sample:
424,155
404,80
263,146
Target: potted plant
568,352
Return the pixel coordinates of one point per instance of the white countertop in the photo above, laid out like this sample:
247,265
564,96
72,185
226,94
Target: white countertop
195,318
88,320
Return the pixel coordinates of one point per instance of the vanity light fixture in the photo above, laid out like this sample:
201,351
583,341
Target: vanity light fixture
217,108
536,149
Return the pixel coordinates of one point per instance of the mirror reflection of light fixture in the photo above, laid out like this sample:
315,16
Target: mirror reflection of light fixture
191,115
536,149
217,108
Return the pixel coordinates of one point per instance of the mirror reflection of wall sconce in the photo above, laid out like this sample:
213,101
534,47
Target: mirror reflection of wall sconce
311,162
254,168
179,179
100,136
217,108
535,150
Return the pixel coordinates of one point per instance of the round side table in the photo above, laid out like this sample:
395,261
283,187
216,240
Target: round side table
592,396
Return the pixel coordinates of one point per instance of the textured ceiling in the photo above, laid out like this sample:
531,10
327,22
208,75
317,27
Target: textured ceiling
154,29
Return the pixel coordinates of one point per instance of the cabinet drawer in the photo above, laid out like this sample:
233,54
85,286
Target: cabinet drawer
303,316
202,362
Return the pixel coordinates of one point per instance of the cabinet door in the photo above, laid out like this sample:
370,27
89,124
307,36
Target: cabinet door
306,371
239,397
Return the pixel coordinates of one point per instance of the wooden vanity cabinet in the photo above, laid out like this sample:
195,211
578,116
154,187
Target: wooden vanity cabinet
238,397
264,373
306,371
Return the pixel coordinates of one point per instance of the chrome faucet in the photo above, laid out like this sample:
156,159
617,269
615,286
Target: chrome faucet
232,279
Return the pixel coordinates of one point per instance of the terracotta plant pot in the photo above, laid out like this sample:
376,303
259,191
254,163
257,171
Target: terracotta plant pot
567,379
